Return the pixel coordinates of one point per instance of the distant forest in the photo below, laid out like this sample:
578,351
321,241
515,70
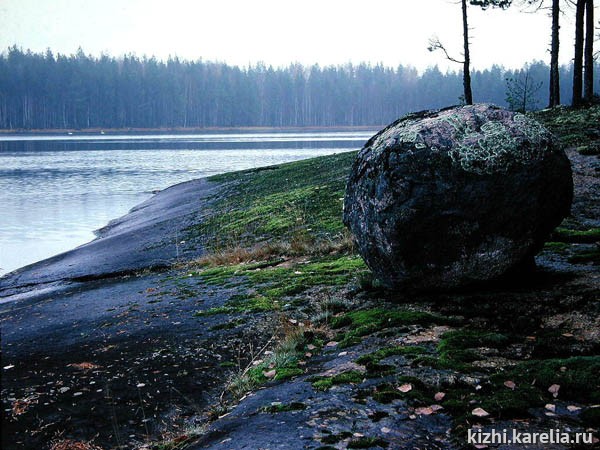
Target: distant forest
44,91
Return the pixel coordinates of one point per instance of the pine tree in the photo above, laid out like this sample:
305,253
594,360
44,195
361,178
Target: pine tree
435,43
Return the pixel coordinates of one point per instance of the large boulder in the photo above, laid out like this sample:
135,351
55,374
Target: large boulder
441,199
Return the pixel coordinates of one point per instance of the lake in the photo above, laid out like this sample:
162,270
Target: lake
55,190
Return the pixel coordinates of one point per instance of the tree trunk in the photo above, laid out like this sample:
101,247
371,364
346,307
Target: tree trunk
588,91
554,47
578,60
467,63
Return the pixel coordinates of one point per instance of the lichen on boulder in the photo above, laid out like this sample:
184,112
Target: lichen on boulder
441,199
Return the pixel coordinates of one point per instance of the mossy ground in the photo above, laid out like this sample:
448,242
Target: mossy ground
365,322
265,286
574,127
467,345
281,202
567,235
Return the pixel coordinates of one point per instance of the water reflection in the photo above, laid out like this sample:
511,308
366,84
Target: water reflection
55,190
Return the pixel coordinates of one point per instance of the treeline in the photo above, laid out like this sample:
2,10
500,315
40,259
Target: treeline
43,91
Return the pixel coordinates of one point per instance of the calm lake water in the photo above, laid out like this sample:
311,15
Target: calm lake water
56,190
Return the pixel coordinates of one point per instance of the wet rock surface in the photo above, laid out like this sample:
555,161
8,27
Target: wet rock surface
122,359
442,199
151,236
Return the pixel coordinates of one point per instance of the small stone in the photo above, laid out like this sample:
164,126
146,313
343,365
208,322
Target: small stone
405,387
554,390
480,412
573,408
439,396
510,384
424,411
550,407
270,373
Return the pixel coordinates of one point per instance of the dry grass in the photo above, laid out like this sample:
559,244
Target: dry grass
175,440
70,444
302,244
287,348
21,406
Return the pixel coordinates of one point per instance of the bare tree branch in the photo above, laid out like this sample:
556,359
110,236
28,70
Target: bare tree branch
435,44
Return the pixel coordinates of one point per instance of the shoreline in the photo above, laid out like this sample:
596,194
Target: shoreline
183,130
234,311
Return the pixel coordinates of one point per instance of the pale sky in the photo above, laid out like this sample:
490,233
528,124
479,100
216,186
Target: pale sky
279,32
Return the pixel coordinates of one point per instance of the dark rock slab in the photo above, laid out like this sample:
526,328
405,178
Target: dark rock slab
323,416
442,199
149,354
150,236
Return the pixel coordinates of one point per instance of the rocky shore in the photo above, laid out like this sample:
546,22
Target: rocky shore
234,312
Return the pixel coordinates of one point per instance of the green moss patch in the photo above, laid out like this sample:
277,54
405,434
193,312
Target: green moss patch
574,127
275,408
456,348
576,376
228,325
372,361
278,202
584,257
385,393
589,150
558,247
240,303
257,376
377,356
228,364
324,383
366,322
270,284
576,236
507,403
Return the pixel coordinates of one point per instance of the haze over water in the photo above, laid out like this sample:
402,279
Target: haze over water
56,190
